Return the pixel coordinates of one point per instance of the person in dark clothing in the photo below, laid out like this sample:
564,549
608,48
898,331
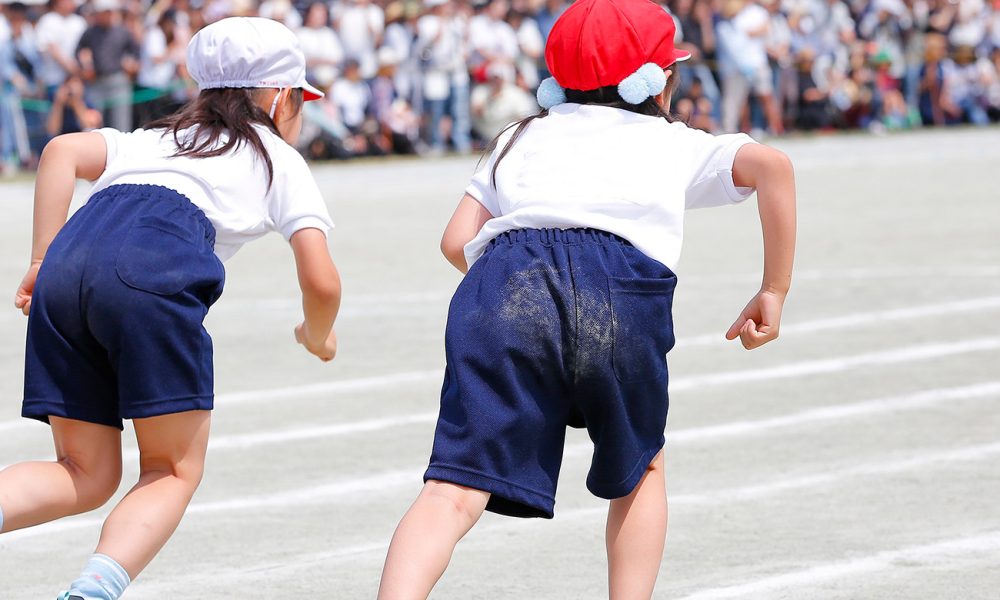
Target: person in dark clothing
108,56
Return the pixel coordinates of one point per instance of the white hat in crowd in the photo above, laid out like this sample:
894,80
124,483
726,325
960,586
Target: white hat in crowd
248,52
106,5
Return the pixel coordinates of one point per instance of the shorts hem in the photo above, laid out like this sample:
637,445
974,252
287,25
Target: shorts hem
41,411
507,498
626,486
158,408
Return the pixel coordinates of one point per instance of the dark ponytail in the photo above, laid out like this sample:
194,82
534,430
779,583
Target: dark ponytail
215,112
605,96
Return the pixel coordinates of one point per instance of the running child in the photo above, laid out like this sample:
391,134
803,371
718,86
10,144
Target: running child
117,295
570,235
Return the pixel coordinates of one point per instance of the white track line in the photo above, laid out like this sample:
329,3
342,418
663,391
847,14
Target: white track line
843,363
935,553
376,382
709,499
411,476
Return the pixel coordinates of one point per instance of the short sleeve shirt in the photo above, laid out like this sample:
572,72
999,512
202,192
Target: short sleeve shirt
610,169
232,190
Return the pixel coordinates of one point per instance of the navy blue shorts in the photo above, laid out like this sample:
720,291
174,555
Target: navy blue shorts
115,329
553,328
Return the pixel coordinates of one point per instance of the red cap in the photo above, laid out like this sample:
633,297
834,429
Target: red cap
597,43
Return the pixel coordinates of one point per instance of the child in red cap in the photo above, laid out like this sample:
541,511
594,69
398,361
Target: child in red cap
569,236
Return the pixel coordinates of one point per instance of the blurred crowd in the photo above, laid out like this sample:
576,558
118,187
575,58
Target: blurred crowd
429,76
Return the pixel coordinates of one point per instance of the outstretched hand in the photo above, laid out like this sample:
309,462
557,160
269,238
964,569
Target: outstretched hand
759,321
22,298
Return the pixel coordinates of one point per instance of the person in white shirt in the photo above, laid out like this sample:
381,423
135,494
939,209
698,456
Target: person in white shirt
59,31
491,38
321,46
352,96
499,102
360,24
568,237
442,50
742,38
117,295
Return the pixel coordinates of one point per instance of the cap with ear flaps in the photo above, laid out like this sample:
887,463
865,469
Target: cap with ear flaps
248,52
599,43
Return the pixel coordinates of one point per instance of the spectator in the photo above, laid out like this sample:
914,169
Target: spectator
812,111
59,32
531,49
108,58
70,112
360,25
499,102
162,52
321,46
965,88
696,109
399,128
400,36
696,34
282,11
743,63
20,63
491,38
441,48
550,11
931,99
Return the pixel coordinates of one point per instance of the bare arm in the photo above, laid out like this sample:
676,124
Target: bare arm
320,285
770,172
64,160
469,218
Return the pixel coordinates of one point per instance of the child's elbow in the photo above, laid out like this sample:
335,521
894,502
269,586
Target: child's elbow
323,290
453,250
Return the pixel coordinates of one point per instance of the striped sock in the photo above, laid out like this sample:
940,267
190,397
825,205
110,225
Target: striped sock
102,579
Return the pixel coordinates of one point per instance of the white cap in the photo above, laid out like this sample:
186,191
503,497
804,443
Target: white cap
248,52
106,5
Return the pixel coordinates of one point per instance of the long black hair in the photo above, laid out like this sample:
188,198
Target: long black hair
604,96
223,111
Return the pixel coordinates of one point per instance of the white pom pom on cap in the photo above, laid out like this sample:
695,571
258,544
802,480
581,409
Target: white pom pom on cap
550,93
648,80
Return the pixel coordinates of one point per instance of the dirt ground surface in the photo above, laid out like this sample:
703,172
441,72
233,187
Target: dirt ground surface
856,457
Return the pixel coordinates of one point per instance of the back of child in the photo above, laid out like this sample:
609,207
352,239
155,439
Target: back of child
570,234
117,296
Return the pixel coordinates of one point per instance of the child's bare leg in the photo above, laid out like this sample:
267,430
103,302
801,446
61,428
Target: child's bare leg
85,474
423,543
171,461
637,527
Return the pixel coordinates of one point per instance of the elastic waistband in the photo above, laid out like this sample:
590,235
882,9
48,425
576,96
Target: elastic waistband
553,236
157,197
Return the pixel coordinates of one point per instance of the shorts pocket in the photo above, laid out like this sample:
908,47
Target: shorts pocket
159,256
642,327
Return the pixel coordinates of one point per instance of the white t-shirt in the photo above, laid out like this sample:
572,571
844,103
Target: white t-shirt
609,169
359,27
352,98
65,33
231,189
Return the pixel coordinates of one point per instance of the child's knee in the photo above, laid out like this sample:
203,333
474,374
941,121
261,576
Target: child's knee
95,484
466,503
187,471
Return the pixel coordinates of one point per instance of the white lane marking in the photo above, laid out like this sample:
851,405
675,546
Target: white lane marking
434,375
411,476
891,404
934,553
708,499
858,319
842,363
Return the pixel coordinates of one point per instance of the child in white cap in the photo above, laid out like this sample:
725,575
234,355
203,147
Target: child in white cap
116,296
569,237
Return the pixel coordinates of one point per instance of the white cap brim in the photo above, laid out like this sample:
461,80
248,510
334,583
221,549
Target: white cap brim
310,92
